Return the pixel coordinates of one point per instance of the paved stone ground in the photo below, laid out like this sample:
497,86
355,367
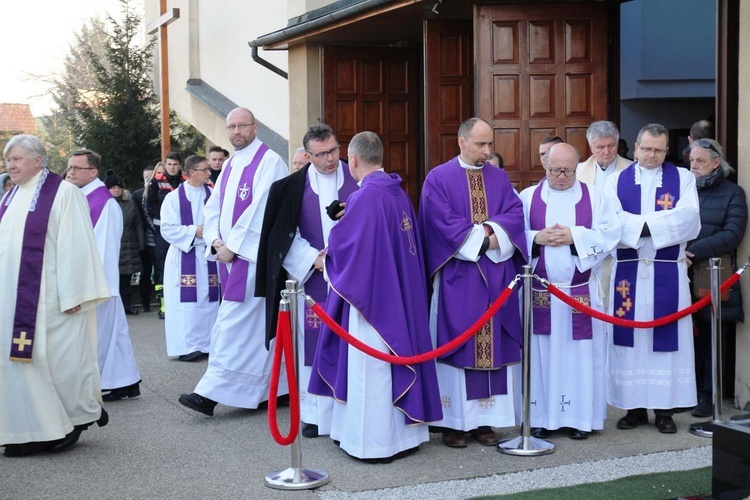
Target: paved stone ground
155,448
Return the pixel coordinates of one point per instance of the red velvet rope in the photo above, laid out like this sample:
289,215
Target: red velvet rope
664,320
283,343
419,358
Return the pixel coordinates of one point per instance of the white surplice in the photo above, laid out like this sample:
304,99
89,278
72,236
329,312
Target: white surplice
116,357
568,385
239,368
44,399
638,377
298,263
188,324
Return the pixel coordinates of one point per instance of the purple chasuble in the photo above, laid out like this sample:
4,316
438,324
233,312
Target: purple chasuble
387,287
233,282
666,274
97,199
454,199
31,265
188,276
579,289
311,229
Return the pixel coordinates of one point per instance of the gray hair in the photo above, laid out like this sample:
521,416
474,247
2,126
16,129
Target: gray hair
300,150
602,129
715,151
655,129
368,147
30,143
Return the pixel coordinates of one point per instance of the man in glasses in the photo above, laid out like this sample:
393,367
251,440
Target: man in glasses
239,368
191,284
295,231
547,143
570,228
120,378
658,206
472,229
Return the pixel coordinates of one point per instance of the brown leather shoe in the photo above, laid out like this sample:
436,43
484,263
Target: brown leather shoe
455,439
485,436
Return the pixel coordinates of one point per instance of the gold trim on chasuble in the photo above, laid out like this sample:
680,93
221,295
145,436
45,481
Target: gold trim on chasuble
483,340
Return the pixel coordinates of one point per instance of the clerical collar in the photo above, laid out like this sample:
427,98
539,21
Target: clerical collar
467,166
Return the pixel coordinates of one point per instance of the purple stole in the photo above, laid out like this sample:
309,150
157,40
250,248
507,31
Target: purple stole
31,266
234,282
311,229
97,199
582,325
666,274
188,276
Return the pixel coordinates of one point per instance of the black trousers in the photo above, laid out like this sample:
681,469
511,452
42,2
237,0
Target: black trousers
126,291
145,288
160,256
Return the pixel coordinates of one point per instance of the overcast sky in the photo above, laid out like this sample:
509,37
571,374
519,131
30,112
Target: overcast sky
36,36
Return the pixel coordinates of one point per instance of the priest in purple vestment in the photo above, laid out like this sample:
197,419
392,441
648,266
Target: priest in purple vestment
472,228
380,410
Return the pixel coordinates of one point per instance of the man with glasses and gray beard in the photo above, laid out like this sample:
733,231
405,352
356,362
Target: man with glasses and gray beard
239,368
658,207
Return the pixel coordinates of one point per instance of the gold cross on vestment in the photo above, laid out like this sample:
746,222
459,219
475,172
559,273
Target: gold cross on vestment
407,226
624,288
666,201
22,342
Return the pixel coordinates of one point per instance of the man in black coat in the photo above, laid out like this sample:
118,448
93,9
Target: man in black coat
295,231
145,287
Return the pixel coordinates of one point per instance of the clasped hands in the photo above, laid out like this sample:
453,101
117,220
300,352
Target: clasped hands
554,236
223,254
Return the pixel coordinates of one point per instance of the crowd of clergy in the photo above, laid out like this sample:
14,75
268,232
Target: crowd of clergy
609,231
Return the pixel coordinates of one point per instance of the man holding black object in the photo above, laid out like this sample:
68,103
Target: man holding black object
302,208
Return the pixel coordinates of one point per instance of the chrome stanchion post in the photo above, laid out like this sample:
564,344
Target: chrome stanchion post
526,445
706,429
296,477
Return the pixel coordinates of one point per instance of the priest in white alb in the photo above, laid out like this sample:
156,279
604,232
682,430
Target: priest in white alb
120,378
239,368
570,229
52,282
191,283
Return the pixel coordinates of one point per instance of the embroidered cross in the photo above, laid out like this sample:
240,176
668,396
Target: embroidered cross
533,402
487,403
540,298
22,342
445,401
213,280
666,201
623,288
594,252
188,280
563,403
582,299
407,226
311,319
243,192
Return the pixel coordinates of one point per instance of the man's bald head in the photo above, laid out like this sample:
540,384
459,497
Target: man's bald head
561,161
241,127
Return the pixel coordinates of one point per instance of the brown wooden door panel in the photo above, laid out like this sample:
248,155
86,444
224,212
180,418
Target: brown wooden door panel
542,70
375,89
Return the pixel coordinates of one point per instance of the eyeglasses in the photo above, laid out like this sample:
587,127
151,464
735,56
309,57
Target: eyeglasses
202,169
324,154
568,172
78,169
241,126
707,145
655,151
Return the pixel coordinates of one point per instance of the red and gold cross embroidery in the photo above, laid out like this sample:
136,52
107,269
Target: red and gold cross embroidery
665,201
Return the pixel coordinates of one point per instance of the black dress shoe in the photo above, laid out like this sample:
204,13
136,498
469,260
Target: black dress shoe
280,402
703,410
70,439
161,314
578,434
131,311
540,432
387,460
127,392
191,356
310,430
665,424
632,420
20,450
198,403
146,308
103,418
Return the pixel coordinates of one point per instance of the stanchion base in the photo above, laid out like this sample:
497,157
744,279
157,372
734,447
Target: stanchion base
744,418
704,429
525,447
296,479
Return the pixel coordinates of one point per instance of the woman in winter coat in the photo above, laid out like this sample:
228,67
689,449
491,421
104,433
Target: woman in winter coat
133,238
723,212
